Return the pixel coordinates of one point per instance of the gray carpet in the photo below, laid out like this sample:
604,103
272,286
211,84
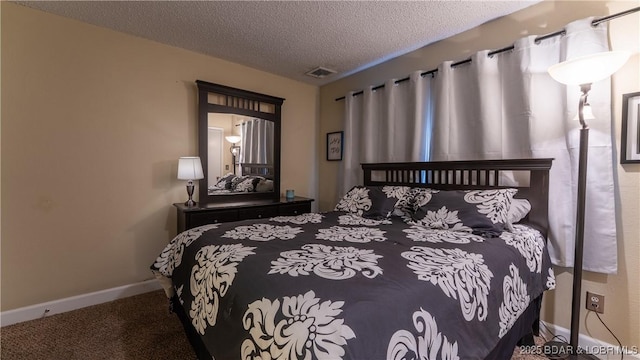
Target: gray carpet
139,327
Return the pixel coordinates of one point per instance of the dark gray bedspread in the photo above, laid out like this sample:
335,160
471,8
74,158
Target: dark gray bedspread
339,286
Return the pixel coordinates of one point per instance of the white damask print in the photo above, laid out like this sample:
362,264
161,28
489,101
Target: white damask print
355,201
179,293
516,300
420,233
304,328
171,256
263,232
353,219
428,344
245,185
329,262
421,196
398,192
493,203
211,277
351,234
528,243
459,274
299,219
551,280
443,219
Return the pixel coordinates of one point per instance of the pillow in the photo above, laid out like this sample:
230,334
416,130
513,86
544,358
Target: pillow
383,202
373,202
409,199
482,212
518,210
403,196
225,182
355,201
264,185
243,184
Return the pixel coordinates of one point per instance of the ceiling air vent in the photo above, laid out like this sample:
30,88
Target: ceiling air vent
320,72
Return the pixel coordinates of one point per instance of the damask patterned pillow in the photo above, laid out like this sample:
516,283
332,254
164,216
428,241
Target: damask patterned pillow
518,210
355,201
483,212
243,184
383,201
373,202
225,182
408,200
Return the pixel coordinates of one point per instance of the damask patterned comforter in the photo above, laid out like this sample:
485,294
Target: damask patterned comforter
339,286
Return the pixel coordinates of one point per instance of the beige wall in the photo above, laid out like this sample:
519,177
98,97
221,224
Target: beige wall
93,122
622,291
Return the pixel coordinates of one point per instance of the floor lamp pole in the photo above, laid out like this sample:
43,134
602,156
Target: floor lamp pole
233,158
580,214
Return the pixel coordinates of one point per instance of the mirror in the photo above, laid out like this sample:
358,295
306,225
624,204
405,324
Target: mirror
239,144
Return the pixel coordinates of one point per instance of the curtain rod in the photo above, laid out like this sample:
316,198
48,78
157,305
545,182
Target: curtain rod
537,40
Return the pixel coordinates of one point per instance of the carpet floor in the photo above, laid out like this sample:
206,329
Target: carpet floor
138,327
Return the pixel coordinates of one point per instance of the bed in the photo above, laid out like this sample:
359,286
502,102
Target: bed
437,260
253,178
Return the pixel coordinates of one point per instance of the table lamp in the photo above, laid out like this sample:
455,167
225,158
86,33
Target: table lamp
190,168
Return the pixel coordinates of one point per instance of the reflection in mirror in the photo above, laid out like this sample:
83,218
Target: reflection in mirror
240,154
239,144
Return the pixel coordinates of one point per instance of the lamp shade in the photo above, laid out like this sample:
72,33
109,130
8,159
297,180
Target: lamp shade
587,113
588,69
190,168
233,139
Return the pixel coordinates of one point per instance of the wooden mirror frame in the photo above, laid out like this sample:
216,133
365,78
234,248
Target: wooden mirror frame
240,102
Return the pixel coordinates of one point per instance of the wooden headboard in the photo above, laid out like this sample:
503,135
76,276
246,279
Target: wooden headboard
264,170
529,176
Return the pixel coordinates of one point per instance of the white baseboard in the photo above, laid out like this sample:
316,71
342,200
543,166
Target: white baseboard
76,302
598,348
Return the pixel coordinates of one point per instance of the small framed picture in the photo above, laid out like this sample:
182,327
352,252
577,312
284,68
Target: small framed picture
630,144
334,145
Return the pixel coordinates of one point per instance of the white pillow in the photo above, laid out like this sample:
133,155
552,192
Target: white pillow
518,210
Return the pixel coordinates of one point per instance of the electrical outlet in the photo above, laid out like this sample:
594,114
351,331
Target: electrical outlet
595,302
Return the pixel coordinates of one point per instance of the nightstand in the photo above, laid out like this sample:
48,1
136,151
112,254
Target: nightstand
190,217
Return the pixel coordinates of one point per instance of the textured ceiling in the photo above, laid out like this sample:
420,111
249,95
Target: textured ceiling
289,38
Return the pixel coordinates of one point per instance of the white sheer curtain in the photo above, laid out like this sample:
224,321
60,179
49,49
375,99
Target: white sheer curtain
507,106
389,124
256,146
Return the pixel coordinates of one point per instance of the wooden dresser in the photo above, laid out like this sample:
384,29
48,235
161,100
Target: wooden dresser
190,217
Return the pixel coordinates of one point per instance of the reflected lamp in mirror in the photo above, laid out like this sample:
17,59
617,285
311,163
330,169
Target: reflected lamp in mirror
234,149
190,168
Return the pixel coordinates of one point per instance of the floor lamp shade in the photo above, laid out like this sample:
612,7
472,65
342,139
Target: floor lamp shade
190,168
590,68
234,139
583,71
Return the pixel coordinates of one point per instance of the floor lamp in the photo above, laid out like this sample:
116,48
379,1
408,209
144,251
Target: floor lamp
234,149
583,71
